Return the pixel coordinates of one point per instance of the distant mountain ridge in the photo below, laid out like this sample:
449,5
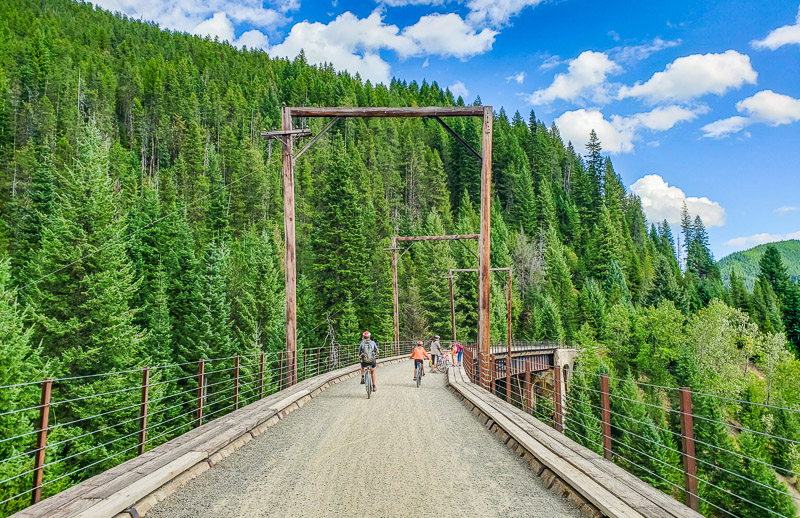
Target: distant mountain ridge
745,263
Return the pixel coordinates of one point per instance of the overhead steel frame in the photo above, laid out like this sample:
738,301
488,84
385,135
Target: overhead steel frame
286,136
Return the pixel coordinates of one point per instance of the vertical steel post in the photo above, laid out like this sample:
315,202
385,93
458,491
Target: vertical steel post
41,440
689,458
452,309
605,404
484,244
290,263
143,409
280,372
261,377
236,382
557,392
493,373
395,298
201,372
508,360
528,406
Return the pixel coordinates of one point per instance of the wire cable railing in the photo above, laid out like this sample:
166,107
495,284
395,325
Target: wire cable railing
124,420
626,439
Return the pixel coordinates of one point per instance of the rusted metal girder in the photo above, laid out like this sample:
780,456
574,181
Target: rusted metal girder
380,111
687,438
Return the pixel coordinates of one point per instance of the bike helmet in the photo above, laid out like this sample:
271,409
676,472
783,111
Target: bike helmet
366,334
437,336
419,342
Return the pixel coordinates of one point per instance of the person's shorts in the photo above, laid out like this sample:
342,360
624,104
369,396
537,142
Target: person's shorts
373,364
417,363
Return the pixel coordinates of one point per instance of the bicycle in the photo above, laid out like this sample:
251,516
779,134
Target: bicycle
368,380
419,374
442,365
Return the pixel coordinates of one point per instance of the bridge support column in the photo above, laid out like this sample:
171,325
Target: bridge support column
484,242
289,245
564,360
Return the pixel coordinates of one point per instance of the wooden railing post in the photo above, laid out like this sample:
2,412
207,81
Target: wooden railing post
605,403
143,409
236,382
687,438
41,440
261,377
557,392
201,371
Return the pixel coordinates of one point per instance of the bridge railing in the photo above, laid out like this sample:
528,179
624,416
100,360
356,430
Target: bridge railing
686,443
55,433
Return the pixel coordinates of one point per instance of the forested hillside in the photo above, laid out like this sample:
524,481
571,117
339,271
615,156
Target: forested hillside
746,262
142,224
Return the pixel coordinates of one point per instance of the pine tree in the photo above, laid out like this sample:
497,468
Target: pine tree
582,425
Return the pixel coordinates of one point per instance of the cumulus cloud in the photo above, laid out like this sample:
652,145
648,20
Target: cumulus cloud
585,78
459,89
786,35
661,201
760,239
189,15
619,133
786,209
353,44
765,107
496,13
693,76
448,35
518,78
403,3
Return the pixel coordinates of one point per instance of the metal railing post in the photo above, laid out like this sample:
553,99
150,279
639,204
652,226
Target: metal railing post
201,370
280,372
41,440
605,403
143,409
687,438
557,394
236,382
261,378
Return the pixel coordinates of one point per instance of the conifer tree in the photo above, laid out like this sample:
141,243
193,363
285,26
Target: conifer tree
582,425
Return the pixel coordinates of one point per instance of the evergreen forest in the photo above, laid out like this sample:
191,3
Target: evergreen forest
142,224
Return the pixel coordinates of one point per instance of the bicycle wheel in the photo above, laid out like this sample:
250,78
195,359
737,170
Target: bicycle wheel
368,381
419,375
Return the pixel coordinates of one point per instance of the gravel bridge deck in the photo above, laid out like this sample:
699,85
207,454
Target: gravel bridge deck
405,452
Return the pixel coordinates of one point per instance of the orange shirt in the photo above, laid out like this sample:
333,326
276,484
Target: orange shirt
419,353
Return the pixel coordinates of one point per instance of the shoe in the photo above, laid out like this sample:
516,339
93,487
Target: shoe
374,388
414,378
362,380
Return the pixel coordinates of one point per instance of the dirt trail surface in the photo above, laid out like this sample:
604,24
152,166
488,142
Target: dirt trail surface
405,452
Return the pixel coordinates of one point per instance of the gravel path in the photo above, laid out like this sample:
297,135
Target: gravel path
405,452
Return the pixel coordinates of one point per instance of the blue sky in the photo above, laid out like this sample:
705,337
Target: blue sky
694,101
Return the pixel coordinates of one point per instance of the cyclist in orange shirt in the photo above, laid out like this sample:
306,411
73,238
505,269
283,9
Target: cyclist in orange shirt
419,354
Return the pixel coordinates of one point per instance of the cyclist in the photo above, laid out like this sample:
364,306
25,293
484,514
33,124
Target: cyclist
368,354
419,354
436,350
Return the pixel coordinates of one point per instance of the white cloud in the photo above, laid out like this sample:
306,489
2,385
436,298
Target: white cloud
724,127
496,13
619,133
217,26
403,3
576,125
448,35
771,108
187,15
760,239
353,44
518,78
765,107
662,201
786,209
786,35
252,39
459,89
585,77
635,53
693,76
